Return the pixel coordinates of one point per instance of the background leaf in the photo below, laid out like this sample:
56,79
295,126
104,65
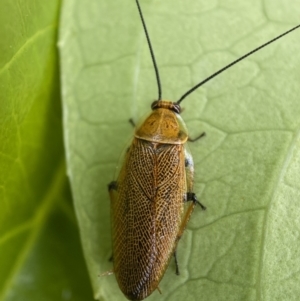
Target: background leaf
39,244
246,246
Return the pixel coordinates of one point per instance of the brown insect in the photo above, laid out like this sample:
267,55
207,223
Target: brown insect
147,201
148,211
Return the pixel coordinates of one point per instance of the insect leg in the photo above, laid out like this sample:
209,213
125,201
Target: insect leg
132,122
189,170
176,262
113,185
181,230
191,197
186,219
112,188
197,138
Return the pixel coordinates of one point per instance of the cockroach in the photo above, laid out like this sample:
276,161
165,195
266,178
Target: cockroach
148,211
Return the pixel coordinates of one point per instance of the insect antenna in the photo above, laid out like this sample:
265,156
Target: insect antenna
151,50
233,63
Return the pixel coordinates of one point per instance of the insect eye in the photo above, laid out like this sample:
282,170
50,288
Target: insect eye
154,105
176,108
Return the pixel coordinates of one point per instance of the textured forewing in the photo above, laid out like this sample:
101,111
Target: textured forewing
147,213
170,197
134,220
142,164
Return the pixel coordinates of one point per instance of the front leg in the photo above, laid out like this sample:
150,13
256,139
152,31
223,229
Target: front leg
113,185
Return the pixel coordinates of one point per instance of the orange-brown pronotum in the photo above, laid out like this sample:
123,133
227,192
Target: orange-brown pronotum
152,198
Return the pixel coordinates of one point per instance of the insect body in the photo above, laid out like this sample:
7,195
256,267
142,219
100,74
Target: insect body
148,199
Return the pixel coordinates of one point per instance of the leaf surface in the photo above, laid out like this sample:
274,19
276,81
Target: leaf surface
38,230
245,246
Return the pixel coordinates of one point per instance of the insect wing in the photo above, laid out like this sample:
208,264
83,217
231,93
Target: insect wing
147,211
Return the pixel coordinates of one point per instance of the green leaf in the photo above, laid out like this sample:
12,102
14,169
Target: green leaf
39,244
245,246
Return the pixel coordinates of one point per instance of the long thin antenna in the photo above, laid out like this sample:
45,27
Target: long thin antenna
233,63
151,50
